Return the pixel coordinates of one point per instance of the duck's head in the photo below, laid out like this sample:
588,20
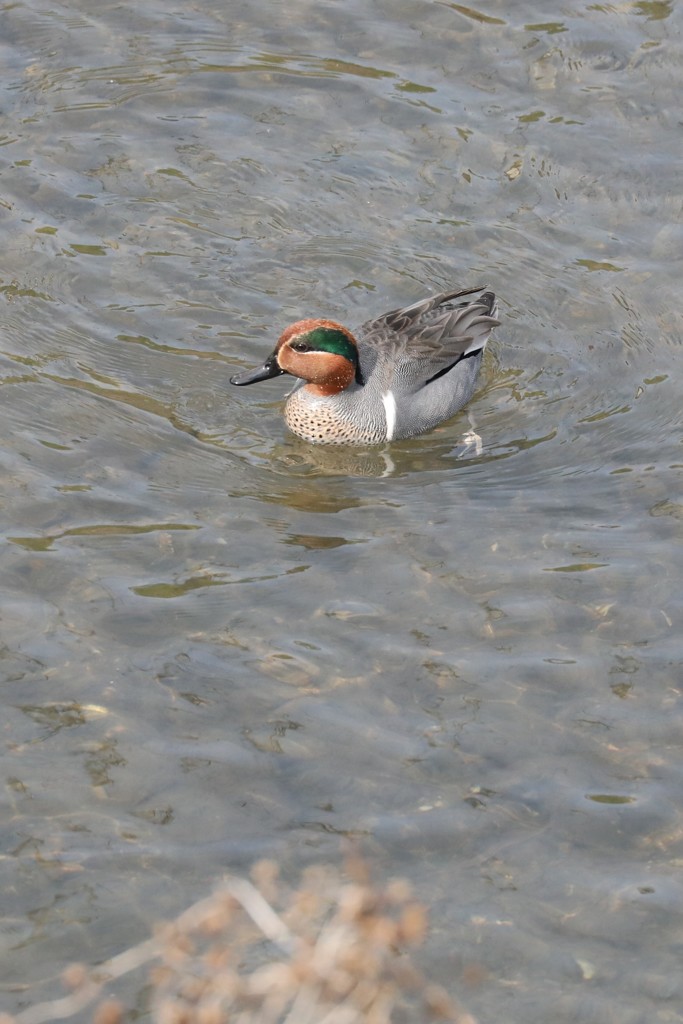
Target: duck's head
321,352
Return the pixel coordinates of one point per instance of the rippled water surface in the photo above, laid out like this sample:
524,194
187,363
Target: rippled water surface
219,643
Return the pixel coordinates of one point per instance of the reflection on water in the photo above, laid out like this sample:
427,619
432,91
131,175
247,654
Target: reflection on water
220,643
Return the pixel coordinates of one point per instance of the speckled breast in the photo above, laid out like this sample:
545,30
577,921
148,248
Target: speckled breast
326,421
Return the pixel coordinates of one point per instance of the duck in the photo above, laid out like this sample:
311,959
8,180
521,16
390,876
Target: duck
401,375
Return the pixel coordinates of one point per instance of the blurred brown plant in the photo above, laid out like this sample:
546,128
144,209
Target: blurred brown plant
331,951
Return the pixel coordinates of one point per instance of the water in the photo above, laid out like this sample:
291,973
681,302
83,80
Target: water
219,643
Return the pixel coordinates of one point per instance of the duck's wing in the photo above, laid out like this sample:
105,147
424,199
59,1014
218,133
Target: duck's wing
428,337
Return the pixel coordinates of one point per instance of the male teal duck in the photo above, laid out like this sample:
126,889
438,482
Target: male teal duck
408,371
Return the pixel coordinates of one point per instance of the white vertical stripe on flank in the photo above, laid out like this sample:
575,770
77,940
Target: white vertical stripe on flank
389,403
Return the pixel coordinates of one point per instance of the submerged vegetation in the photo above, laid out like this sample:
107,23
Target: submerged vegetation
333,950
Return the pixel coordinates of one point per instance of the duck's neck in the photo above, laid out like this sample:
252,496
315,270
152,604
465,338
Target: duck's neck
331,377
326,390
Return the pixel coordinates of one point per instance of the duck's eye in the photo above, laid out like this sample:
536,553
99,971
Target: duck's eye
301,346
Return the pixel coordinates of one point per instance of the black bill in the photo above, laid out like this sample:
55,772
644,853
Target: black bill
269,369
